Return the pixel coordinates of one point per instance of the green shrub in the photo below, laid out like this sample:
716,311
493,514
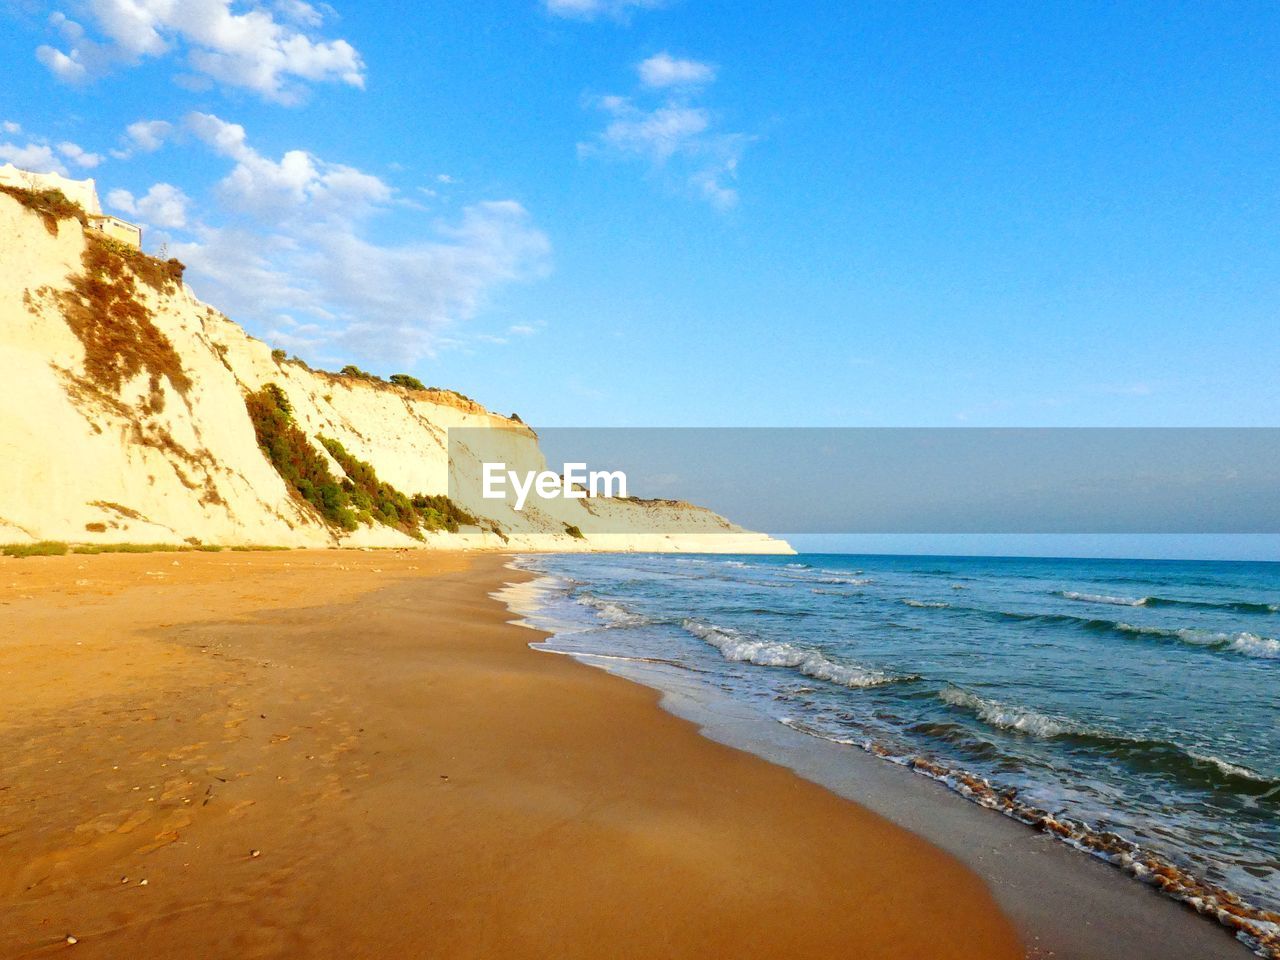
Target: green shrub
440,513
373,500
278,355
300,465
355,373
406,381
573,531
93,549
45,548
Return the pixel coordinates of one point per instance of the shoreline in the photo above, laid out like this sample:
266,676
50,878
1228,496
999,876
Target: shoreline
317,753
1065,901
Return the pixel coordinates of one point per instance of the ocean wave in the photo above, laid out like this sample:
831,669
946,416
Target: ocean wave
1255,927
1173,760
1236,606
1000,715
925,604
850,581
739,648
1244,643
1100,598
614,614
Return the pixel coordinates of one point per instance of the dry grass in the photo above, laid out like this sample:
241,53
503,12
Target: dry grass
51,206
117,329
118,508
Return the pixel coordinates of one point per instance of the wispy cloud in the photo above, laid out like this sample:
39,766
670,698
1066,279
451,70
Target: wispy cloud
285,246
145,136
595,9
680,139
270,50
663,70
38,155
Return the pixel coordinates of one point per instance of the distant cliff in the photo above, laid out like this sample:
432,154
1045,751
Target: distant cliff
134,413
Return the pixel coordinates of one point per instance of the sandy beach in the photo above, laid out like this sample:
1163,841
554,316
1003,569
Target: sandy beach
354,754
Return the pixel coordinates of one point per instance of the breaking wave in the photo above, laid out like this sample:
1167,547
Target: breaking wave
769,653
1243,643
1173,760
1235,606
996,714
613,614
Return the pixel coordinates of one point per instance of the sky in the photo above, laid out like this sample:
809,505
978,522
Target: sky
702,213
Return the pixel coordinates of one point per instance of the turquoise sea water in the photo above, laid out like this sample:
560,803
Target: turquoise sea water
1133,700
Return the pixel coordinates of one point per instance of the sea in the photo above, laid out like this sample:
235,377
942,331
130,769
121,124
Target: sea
1130,708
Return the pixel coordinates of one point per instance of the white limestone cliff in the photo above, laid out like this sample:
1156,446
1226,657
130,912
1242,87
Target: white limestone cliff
174,457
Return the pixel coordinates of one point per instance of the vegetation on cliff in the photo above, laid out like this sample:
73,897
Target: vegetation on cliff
51,206
376,500
106,312
357,497
301,466
406,381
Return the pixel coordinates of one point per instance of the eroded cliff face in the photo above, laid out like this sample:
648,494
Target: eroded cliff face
124,421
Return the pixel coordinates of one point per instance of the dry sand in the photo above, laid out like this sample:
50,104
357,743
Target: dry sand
314,754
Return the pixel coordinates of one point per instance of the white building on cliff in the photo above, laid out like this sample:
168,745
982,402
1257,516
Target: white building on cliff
83,192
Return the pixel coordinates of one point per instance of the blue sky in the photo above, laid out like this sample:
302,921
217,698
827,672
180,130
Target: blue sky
703,213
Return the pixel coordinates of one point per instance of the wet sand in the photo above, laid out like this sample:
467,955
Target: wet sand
315,754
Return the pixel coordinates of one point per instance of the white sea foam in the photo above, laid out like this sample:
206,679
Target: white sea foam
1102,598
612,613
766,653
1244,643
1006,717
851,581
1230,769
925,604
1252,645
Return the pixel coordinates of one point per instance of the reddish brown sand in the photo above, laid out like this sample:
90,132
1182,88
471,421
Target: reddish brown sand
338,754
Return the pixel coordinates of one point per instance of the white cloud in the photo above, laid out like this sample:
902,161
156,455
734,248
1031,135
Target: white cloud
657,134
275,58
38,155
664,70
78,155
591,9
145,136
678,138
164,206
295,255
35,157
